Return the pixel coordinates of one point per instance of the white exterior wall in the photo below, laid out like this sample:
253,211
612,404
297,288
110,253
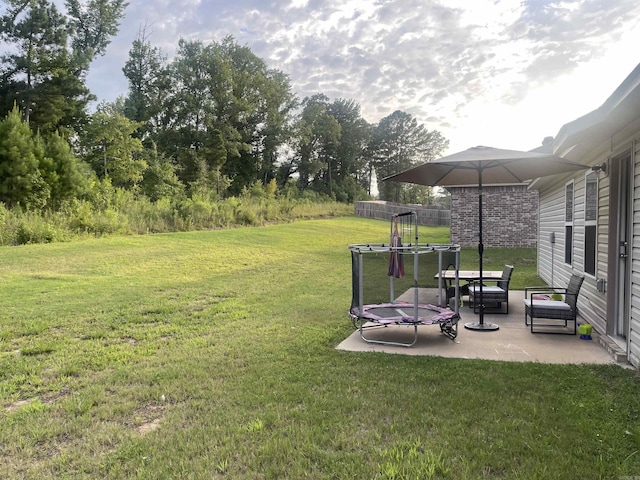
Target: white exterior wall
592,304
634,327
551,220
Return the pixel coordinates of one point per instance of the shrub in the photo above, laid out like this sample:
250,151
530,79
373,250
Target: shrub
34,228
247,216
7,226
119,211
197,213
107,222
227,211
80,217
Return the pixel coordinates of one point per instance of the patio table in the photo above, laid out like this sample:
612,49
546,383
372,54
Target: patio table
467,275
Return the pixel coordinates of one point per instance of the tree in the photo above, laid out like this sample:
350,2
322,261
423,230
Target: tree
399,143
350,172
35,74
159,179
263,117
191,113
329,149
37,171
92,25
66,175
110,147
21,182
218,157
49,56
223,113
148,83
260,109
318,136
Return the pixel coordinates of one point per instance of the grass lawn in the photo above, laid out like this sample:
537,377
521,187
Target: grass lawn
211,355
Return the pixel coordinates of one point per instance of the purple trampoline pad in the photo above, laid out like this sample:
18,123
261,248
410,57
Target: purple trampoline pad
401,312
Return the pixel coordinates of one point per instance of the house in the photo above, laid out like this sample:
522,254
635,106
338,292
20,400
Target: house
589,222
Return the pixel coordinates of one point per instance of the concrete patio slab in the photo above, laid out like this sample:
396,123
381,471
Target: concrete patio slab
513,341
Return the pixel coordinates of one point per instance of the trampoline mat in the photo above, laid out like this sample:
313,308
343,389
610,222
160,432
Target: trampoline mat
402,312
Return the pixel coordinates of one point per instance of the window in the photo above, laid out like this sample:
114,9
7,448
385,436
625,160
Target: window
568,223
590,222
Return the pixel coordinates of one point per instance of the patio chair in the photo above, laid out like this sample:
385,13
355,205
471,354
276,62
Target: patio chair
497,294
449,263
538,305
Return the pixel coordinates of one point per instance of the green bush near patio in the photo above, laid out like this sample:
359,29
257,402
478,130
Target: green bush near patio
211,355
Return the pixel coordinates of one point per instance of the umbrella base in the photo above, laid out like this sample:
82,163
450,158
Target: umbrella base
489,327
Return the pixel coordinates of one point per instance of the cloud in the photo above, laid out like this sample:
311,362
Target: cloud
434,59
560,36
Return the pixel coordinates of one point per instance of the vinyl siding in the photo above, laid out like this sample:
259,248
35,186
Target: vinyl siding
634,323
551,220
620,134
592,306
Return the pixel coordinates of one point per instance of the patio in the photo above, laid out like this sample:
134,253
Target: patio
512,342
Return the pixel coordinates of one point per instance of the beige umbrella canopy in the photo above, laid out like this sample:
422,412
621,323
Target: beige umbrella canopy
479,165
495,165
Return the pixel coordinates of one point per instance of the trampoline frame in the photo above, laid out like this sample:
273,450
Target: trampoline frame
358,311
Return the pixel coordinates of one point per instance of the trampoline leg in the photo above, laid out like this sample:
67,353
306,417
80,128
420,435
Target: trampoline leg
383,342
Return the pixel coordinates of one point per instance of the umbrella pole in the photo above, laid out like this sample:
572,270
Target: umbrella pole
480,325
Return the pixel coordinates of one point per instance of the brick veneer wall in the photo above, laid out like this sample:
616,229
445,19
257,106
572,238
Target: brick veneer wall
510,216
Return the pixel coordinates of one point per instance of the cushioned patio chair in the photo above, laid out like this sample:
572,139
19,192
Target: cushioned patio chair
493,294
553,313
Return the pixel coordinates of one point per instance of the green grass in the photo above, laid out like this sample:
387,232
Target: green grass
211,355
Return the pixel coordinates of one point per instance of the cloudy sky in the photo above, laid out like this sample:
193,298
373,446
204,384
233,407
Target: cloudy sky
482,72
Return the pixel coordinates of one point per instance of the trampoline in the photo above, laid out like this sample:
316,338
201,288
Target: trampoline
394,260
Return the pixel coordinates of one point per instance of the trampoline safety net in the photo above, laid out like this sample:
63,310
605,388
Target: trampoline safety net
390,282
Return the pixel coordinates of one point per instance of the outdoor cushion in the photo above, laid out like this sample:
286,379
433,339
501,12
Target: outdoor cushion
548,304
486,289
498,293
566,310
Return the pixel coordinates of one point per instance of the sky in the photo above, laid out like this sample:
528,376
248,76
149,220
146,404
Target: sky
504,74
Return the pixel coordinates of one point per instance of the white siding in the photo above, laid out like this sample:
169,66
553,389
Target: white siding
603,227
551,220
634,323
578,223
622,136
592,304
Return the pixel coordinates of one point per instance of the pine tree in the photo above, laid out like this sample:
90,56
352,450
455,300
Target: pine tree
48,58
21,182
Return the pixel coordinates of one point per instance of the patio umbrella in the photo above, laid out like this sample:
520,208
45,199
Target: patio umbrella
490,165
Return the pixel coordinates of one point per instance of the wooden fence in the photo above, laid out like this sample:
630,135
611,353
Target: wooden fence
431,216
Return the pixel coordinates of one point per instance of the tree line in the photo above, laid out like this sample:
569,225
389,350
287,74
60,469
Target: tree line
213,121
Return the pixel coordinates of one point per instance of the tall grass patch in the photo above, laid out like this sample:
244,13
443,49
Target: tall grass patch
122,213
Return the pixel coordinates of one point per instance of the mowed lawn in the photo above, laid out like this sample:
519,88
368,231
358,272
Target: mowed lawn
211,355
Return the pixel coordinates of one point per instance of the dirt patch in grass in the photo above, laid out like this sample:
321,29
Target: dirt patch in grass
17,405
148,419
54,397
148,426
46,399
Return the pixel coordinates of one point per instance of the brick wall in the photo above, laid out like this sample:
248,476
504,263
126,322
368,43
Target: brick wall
510,216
